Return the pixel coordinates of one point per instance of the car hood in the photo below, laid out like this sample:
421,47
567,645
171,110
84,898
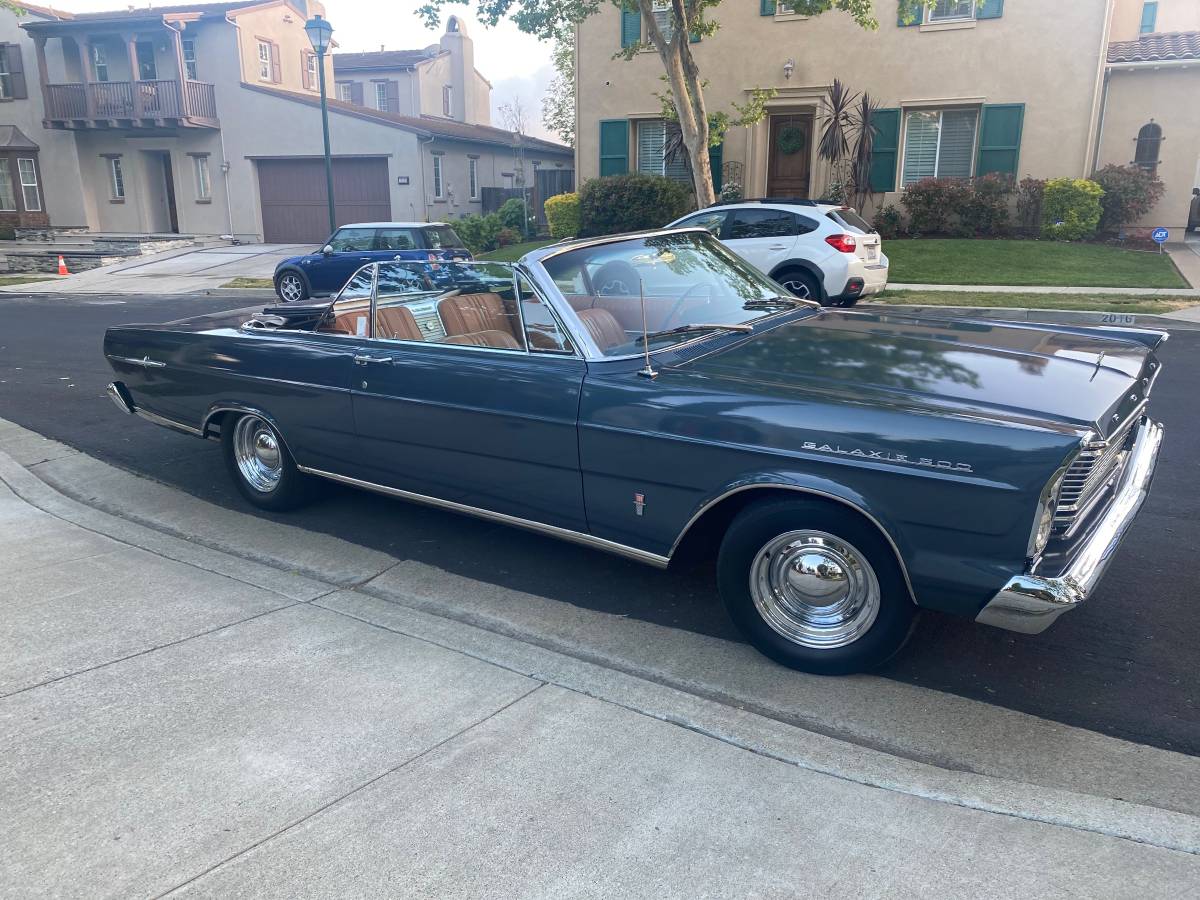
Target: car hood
1042,375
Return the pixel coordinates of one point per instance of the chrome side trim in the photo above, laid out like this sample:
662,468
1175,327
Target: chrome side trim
706,506
116,393
169,423
1029,603
565,534
145,362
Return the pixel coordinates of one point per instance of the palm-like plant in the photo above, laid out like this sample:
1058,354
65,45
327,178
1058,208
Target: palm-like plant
864,148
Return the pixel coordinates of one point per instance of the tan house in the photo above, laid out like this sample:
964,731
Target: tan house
964,89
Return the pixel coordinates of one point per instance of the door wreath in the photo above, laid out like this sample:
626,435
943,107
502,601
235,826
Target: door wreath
791,140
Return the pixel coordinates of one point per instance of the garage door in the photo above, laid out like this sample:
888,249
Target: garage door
294,205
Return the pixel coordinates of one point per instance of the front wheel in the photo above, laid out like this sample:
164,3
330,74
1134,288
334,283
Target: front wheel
261,466
814,587
800,283
291,288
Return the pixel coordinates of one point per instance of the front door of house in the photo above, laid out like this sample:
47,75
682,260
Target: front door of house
789,154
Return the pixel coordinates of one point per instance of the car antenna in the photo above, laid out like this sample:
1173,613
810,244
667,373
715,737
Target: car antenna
647,372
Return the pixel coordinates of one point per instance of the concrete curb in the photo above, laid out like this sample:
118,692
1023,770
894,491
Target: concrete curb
1040,316
1142,293
405,611
249,293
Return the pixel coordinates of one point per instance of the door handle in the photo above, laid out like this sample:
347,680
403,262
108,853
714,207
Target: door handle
778,247
362,360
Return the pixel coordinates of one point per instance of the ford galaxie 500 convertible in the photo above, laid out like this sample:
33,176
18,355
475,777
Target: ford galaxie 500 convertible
651,394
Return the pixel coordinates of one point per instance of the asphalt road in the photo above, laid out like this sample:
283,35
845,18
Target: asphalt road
1124,665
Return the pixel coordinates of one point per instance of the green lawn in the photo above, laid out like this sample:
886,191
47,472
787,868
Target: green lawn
938,261
249,283
1097,303
24,279
513,252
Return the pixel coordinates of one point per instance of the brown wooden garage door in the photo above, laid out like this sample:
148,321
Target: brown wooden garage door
294,206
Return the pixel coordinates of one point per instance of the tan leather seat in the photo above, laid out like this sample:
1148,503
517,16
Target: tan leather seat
396,323
501,340
605,330
473,313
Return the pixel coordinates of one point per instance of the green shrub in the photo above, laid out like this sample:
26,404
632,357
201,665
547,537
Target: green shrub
934,203
1130,192
512,214
1071,209
508,236
1030,196
985,209
633,202
888,222
479,233
562,215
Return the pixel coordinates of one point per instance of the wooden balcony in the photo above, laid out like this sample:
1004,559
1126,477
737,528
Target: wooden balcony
131,104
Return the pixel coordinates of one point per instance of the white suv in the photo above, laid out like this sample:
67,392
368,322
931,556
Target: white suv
818,251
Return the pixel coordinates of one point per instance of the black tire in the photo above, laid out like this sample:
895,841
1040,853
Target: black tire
291,287
287,489
802,284
762,524
848,302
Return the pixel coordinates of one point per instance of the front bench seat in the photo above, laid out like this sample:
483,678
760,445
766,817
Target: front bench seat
397,323
474,313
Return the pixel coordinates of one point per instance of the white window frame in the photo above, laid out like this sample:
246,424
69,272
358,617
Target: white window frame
448,100
473,177
439,182
7,181
662,17
931,18
116,179
189,59
937,160
26,184
314,76
99,60
345,91
381,96
648,166
203,178
264,60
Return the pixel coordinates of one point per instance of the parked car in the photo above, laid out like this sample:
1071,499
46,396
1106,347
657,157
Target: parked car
323,273
818,251
844,468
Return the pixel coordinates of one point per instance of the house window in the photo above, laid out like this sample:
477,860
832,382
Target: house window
381,100
473,177
447,100
655,141
8,199
663,18
438,187
1149,17
99,62
189,59
345,91
939,143
1149,138
949,10
311,75
116,178
147,68
203,181
264,61
29,185
6,89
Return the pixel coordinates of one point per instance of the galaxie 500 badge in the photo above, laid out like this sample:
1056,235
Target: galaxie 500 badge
887,456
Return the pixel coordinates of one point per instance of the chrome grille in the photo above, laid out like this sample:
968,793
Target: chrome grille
1088,476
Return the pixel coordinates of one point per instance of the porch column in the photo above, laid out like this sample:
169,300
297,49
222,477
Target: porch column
177,41
39,44
134,87
85,70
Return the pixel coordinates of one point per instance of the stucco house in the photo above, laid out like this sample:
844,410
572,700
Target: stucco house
204,120
964,89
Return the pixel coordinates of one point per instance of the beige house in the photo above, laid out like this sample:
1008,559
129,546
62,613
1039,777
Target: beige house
964,89
204,120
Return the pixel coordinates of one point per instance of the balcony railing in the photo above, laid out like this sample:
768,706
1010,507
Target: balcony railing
188,102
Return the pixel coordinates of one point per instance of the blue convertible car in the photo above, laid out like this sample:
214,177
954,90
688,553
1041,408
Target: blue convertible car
651,394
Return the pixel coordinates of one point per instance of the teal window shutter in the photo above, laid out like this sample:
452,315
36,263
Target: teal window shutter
1149,17
887,144
1000,139
991,9
910,12
631,26
766,7
614,147
715,157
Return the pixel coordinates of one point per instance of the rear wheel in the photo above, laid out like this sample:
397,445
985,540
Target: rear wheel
800,284
291,288
814,587
261,466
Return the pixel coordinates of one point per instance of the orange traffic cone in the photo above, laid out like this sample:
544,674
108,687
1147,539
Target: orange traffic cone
62,266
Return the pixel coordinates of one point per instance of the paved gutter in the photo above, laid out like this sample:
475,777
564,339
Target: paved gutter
1171,321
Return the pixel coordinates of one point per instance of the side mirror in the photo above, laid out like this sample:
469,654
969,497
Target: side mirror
327,250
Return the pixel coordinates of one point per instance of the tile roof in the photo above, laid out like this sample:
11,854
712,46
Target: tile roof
1156,47
143,12
383,59
12,138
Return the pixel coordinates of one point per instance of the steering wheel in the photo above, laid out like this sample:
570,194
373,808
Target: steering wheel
670,317
616,278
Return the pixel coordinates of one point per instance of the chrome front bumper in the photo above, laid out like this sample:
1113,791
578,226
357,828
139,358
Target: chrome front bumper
1029,603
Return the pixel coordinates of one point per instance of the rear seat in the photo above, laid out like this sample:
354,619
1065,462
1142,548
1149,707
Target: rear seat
500,340
476,313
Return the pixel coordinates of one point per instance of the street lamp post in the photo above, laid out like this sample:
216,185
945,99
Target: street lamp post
319,32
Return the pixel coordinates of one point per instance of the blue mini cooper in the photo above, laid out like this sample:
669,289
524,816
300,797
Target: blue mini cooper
324,272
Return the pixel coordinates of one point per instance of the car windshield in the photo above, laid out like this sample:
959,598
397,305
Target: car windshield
690,282
442,237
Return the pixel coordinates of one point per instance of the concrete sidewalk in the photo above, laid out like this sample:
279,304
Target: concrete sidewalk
174,716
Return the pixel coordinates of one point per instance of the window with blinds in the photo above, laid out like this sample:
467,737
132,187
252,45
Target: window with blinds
663,18
939,144
651,151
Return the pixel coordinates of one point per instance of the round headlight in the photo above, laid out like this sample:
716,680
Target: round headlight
1044,523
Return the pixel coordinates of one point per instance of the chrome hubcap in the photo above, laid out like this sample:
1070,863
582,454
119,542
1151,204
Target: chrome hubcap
256,450
814,589
290,288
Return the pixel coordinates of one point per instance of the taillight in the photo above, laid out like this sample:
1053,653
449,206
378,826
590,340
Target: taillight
843,243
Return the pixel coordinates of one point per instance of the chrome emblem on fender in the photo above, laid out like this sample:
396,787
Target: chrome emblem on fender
887,456
639,503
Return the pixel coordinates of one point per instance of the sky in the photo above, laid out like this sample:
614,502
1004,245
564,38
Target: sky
517,64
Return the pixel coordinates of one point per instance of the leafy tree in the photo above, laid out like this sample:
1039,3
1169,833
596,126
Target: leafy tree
558,103
548,19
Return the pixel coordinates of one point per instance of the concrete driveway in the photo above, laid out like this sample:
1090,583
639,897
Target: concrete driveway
186,271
